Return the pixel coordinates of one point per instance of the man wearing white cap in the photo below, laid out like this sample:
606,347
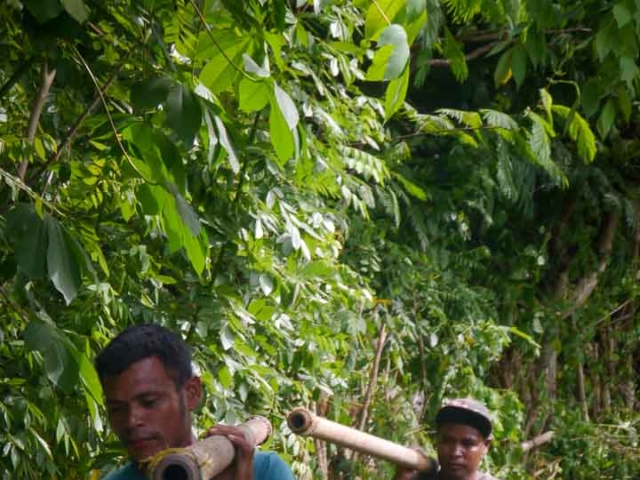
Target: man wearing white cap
463,427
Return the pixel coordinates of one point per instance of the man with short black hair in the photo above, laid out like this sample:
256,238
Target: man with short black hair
150,392
463,438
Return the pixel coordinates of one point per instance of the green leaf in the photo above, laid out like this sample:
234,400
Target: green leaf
379,15
590,98
536,47
253,96
622,14
519,64
59,363
392,55
226,144
77,9
281,136
151,92
43,10
173,226
503,71
183,113
629,71
395,94
452,50
580,133
606,119
317,268
225,377
287,107
197,248
62,267
412,189
28,236
221,71
624,102
283,120
187,214
152,198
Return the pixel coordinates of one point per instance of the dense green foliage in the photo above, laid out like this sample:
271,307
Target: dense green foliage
293,184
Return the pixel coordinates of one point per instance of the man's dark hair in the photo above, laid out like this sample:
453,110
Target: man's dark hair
143,341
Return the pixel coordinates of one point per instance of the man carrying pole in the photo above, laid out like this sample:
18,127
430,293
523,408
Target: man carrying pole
463,429
150,392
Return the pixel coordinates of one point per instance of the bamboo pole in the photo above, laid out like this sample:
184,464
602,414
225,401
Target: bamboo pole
303,422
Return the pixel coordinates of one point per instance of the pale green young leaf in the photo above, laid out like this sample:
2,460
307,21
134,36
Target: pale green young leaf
392,56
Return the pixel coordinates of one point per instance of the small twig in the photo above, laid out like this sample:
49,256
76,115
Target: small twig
451,130
478,52
76,125
106,109
373,378
47,81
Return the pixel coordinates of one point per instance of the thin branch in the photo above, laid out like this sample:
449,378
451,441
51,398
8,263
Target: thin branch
373,379
74,128
503,34
451,130
47,81
535,442
371,387
478,52
106,109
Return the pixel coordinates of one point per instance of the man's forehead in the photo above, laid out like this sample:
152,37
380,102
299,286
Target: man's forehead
145,374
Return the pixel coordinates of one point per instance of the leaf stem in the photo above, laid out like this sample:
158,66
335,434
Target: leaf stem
215,42
111,123
384,15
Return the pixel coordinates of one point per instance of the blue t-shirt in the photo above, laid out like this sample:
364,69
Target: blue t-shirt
266,466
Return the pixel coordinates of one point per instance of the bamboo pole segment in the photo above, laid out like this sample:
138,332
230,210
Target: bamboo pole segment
206,458
303,422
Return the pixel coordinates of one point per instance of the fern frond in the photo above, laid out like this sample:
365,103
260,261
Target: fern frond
463,11
579,131
367,165
469,119
497,119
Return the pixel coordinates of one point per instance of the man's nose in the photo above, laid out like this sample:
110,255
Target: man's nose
134,417
457,450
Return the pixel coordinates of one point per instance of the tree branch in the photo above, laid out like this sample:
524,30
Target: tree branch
535,442
478,52
76,125
588,283
47,80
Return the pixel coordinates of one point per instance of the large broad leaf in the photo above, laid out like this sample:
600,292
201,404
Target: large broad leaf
184,115
197,248
379,15
60,365
391,58
77,9
28,236
227,145
287,107
173,226
151,198
151,92
253,96
220,73
62,265
43,10
396,93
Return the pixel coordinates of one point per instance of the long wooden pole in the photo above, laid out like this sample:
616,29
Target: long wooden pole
303,422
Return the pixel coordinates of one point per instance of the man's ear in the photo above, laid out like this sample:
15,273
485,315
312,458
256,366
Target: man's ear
487,444
193,392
